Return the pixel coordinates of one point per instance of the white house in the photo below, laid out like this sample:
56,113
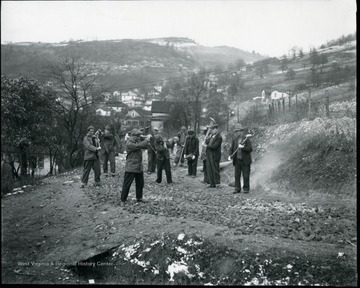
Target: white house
276,95
105,111
268,96
127,96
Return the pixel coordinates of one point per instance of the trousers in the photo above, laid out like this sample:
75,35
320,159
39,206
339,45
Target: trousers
139,185
192,166
163,164
109,157
88,165
244,169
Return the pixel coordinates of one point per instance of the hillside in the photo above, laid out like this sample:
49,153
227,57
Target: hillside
130,61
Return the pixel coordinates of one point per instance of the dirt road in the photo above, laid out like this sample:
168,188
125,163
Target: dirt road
55,224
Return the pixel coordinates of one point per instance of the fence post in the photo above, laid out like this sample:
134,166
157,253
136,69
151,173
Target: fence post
296,107
283,104
273,109
327,103
270,113
309,103
289,101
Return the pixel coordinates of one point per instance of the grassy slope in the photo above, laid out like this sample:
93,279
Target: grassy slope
307,155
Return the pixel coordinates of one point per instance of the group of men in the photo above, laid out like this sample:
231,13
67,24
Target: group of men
184,146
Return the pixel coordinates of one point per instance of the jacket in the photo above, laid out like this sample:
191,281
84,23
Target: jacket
214,146
191,146
108,142
161,151
91,152
182,137
245,152
134,155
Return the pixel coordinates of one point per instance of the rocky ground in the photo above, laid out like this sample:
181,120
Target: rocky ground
56,232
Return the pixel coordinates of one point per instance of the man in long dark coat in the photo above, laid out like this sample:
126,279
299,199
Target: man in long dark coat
213,156
240,152
191,151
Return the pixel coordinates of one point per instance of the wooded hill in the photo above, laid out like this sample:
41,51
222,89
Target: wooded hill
130,62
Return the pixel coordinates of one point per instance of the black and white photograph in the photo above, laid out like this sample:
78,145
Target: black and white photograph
184,143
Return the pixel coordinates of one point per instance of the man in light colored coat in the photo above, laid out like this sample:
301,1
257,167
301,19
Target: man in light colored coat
134,166
108,151
91,157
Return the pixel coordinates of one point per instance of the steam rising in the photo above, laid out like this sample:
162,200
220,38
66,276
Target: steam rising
264,168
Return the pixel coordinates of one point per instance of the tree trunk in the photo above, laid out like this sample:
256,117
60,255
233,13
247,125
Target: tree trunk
23,162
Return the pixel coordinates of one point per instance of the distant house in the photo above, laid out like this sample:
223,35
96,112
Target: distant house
155,91
160,111
110,107
137,118
127,95
276,95
273,95
106,95
116,106
132,99
104,111
147,105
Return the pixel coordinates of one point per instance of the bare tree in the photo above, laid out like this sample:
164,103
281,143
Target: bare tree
196,91
77,85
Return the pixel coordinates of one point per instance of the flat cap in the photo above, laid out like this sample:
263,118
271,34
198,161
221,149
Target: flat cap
214,126
238,127
135,132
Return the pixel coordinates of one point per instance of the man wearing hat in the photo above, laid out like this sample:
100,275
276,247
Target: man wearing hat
180,145
213,156
240,153
191,152
91,157
152,151
163,159
108,150
134,166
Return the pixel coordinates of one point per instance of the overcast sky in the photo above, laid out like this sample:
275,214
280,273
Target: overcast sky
269,27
